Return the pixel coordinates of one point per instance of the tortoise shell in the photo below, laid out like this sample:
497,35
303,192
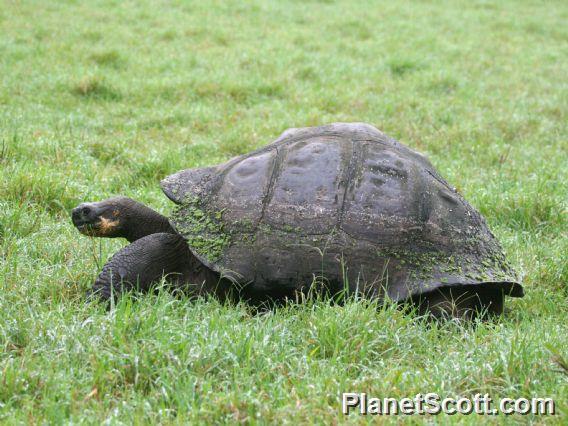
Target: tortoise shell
342,204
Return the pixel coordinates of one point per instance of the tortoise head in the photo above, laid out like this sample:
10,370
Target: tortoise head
108,218
119,217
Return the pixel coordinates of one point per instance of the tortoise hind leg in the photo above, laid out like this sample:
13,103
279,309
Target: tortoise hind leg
142,263
463,302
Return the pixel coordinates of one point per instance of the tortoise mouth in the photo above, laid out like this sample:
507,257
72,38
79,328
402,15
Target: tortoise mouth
88,228
80,222
98,227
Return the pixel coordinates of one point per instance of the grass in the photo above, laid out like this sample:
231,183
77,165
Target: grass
103,98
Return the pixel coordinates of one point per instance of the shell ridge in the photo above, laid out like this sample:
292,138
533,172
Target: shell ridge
276,169
353,162
297,137
424,202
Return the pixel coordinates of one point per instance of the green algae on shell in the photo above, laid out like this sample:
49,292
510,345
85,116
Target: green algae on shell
203,230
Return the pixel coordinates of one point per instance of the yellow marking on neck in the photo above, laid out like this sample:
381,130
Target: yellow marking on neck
106,226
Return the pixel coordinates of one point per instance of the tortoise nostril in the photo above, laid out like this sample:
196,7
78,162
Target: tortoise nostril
82,213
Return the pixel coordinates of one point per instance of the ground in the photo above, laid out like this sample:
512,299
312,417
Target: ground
104,98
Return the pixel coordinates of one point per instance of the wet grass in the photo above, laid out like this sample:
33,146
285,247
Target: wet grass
104,98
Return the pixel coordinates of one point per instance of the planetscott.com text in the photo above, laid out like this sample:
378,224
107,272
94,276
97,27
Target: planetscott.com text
432,403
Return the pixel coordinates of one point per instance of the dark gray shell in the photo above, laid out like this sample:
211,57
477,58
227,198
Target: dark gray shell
341,203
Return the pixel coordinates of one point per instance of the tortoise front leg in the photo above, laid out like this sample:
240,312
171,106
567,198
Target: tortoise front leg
142,263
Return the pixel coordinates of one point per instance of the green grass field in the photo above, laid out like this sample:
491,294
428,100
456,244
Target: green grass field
103,98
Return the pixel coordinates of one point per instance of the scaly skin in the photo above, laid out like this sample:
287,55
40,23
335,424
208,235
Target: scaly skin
142,263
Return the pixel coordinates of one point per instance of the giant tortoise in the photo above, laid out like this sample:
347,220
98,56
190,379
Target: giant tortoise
341,208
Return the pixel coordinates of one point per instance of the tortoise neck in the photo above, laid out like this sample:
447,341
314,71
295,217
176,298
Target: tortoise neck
143,221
